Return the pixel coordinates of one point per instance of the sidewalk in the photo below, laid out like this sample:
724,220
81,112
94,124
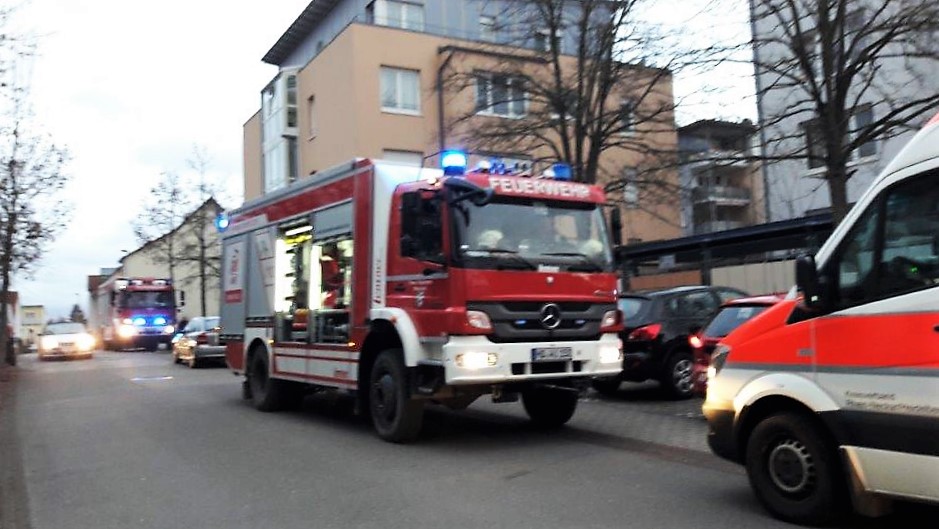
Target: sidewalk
14,511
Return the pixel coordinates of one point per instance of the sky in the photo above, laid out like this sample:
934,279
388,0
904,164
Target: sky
132,87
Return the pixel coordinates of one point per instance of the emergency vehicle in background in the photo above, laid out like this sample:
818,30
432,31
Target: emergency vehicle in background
408,285
134,312
831,397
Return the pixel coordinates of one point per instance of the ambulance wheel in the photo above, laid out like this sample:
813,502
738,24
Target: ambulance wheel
549,407
396,416
794,471
268,394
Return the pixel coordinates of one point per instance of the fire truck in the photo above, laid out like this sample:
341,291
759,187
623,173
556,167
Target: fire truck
404,286
134,312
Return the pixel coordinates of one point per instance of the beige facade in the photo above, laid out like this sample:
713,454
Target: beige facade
339,116
32,322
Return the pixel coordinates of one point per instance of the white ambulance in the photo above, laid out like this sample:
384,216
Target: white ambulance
831,398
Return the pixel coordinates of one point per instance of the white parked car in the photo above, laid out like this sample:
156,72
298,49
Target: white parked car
67,340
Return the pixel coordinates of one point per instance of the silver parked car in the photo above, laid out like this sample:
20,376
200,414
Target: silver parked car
199,342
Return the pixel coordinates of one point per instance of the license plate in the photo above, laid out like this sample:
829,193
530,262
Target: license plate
546,354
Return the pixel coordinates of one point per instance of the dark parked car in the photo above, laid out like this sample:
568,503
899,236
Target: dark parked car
199,342
731,315
655,340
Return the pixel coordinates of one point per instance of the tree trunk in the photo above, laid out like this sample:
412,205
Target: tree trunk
838,191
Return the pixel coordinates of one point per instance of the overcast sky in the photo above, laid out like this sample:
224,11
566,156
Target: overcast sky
130,87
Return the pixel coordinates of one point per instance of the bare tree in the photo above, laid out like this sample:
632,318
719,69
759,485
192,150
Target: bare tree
165,208
31,214
841,74
77,314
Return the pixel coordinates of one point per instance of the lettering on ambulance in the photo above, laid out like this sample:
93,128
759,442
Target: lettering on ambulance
539,187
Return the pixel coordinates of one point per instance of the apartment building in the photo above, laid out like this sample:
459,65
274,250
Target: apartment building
722,184
361,78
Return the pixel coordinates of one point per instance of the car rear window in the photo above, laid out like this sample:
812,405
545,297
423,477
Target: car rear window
729,318
633,307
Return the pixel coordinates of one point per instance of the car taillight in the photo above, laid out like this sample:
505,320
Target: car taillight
695,341
649,332
202,338
612,321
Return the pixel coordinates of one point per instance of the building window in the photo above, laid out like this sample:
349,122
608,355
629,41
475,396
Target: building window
404,157
630,188
291,101
863,117
487,28
400,90
814,143
627,116
405,15
311,115
500,95
542,40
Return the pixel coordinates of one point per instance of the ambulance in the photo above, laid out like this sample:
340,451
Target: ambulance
404,286
831,398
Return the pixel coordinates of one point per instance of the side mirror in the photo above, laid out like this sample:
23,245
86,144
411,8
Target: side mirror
808,281
616,224
482,198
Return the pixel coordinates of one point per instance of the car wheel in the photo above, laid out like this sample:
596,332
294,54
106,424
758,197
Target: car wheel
793,470
549,407
606,386
677,379
268,394
396,416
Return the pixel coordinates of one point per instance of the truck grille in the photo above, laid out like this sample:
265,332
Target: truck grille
521,321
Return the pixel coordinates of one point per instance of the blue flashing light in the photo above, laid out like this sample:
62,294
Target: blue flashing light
453,162
222,222
159,320
562,171
140,321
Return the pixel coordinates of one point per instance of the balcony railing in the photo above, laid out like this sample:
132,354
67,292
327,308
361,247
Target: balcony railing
722,195
717,225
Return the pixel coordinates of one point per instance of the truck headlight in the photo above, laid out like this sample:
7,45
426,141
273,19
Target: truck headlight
611,354
169,329
477,360
126,331
49,342
718,359
478,319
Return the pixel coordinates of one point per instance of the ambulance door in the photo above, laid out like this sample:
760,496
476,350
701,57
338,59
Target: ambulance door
877,351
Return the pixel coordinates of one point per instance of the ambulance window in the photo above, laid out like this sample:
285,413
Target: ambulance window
910,258
856,264
421,228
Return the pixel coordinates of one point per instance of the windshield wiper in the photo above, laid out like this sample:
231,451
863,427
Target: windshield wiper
510,253
594,266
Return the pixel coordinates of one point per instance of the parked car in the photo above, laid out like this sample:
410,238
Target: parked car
199,342
655,339
731,315
68,340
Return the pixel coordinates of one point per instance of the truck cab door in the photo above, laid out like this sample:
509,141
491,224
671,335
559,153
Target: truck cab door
878,347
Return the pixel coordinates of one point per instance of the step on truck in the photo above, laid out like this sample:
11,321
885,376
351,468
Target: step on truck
831,398
405,286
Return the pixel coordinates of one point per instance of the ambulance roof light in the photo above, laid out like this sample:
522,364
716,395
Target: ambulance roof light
562,171
453,162
222,221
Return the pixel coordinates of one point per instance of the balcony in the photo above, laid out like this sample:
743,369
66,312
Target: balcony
721,195
719,158
717,225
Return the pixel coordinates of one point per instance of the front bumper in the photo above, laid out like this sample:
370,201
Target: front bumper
514,360
210,351
722,437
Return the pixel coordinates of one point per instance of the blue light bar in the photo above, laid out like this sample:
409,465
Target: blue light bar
453,162
159,320
140,321
222,222
562,171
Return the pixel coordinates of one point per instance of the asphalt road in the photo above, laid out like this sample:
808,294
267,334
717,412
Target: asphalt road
130,440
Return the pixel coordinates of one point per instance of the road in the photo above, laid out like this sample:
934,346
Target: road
130,440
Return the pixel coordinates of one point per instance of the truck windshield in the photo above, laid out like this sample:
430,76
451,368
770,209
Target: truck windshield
144,300
529,235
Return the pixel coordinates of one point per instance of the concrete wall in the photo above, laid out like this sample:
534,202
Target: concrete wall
756,278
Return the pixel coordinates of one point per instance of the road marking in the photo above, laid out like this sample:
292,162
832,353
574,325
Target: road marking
151,379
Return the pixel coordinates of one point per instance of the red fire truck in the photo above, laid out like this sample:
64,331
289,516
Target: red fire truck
407,285
134,312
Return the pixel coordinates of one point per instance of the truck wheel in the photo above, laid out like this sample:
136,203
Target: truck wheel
677,378
606,386
794,472
396,416
549,407
268,394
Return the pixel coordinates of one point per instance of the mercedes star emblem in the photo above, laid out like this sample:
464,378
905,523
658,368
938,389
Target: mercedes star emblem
550,316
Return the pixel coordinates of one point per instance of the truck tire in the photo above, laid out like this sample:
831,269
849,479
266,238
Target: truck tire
677,378
794,472
267,394
395,415
549,407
